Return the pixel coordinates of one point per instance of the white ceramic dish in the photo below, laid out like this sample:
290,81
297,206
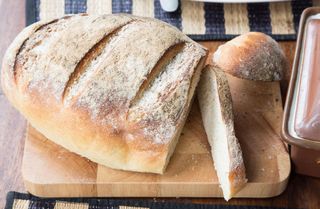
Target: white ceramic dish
172,5
238,1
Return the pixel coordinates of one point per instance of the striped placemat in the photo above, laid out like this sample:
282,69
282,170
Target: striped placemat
17,200
201,21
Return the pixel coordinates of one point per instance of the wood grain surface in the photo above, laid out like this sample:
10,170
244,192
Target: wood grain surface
302,191
51,171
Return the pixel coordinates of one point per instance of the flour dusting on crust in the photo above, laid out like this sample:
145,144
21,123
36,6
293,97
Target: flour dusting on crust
113,78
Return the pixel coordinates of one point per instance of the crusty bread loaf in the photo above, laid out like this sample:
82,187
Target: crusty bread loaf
113,88
216,109
253,56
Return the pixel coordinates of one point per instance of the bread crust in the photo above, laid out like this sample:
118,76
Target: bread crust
94,117
253,56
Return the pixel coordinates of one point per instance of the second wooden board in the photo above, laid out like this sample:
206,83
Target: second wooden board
51,171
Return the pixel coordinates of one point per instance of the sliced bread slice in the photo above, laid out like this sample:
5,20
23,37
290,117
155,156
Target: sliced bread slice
216,109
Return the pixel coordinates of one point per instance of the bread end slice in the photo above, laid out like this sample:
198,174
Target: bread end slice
216,109
253,56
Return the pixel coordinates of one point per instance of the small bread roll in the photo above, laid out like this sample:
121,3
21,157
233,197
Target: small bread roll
253,56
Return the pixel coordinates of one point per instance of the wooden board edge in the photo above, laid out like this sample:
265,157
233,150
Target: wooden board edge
57,190
262,190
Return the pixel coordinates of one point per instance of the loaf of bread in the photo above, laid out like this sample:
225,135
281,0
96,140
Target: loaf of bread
253,56
113,88
216,109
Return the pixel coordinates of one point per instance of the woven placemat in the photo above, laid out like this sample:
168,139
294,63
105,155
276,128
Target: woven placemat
201,21
17,200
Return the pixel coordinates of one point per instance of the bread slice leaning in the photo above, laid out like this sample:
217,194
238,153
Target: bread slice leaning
216,109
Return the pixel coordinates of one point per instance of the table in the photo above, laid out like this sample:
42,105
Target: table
302,191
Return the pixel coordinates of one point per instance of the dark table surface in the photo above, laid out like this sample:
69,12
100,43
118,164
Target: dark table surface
302,191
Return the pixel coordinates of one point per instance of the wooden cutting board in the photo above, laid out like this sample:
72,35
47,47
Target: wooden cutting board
51,171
